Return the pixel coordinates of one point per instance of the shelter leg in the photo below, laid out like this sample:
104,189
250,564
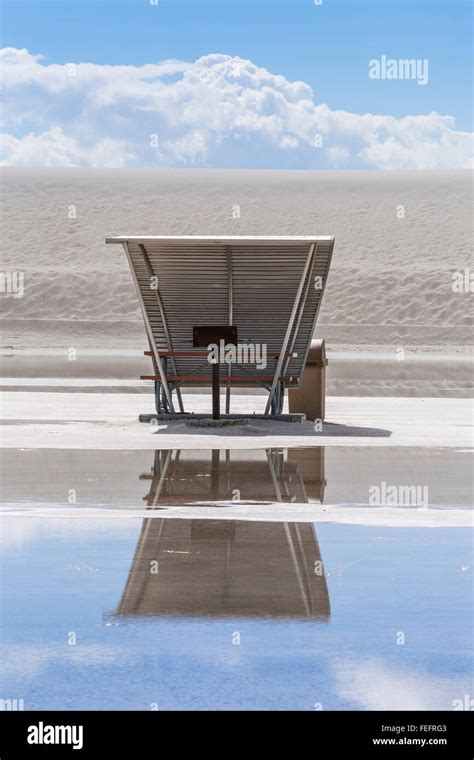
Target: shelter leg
216,412
277,401
157,397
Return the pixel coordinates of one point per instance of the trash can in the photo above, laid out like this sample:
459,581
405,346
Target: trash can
310,397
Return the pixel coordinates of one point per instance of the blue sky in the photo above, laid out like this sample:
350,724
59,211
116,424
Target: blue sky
327,47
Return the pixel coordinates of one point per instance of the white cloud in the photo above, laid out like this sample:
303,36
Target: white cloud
27,661
375,685
220,111
31,525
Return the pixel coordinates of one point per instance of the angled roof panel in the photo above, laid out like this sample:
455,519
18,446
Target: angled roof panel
269,287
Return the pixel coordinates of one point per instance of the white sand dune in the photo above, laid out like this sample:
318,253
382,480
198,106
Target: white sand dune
390,284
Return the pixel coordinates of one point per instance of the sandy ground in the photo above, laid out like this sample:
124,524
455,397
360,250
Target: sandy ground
343,475
53,441
313,513
390,284
109,420
322,484
399,337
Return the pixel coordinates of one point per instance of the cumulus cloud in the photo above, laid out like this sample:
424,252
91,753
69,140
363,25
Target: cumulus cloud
220,111
375,685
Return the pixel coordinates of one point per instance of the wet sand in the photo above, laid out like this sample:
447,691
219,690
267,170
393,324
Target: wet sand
404,486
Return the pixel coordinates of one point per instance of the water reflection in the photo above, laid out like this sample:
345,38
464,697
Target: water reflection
181,477
222,568
240,568
110,478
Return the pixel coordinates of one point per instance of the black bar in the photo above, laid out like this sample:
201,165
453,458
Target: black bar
354,734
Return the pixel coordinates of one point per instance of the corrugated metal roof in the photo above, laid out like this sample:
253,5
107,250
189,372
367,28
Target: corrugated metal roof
198,277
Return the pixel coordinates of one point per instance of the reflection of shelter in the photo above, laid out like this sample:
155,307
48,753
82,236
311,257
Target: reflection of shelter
184,477
226,568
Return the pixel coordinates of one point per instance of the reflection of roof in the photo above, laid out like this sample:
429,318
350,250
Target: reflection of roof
269,287
225,567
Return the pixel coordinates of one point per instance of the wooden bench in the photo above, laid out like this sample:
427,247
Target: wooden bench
225,380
